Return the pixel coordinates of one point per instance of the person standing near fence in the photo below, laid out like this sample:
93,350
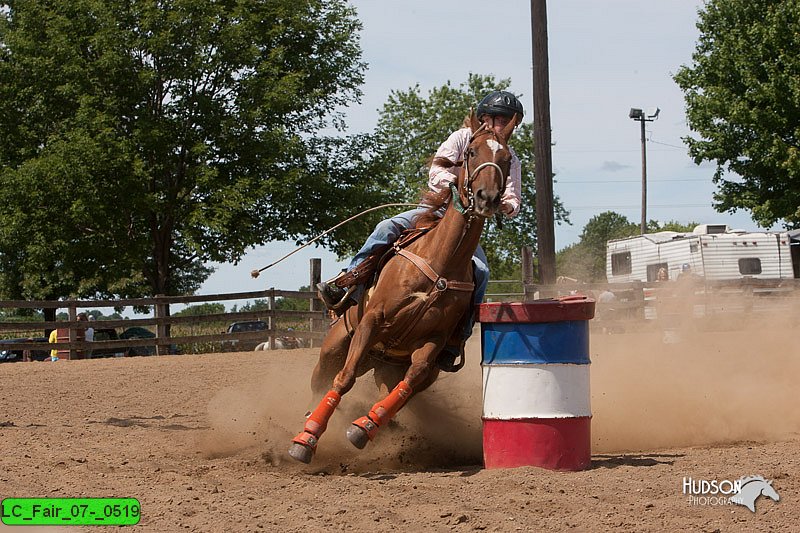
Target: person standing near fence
53,339
89,335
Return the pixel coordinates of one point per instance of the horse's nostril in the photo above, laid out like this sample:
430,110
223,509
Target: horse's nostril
480,194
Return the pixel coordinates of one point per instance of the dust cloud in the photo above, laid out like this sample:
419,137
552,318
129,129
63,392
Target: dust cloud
655,384
696,380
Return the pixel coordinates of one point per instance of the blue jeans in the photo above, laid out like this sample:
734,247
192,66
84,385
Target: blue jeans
386,232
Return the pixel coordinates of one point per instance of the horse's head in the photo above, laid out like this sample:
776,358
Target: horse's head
487,163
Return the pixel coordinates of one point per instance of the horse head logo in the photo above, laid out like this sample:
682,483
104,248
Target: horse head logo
751,488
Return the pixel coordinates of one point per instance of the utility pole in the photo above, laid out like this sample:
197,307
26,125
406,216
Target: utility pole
644,181
541,148
644,116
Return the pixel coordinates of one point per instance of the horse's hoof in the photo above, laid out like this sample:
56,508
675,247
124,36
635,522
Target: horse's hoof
300,452
357,436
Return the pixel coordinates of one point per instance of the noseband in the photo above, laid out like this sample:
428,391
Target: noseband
470,176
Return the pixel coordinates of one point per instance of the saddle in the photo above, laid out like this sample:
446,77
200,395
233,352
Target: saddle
363,273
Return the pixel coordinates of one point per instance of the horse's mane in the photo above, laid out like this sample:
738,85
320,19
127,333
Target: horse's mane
436,200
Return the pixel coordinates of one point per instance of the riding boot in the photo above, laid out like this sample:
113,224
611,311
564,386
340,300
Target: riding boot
335,298
446,360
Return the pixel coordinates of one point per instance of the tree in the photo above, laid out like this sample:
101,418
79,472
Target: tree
410,129
674,225
142,138
741,99
201,309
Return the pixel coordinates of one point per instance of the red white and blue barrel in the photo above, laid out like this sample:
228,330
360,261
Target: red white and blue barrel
536,396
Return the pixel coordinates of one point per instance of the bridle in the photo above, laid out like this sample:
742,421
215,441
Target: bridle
469,209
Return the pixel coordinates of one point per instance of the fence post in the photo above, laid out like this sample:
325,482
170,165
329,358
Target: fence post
161,311
315,276
73,333
527,273
271,318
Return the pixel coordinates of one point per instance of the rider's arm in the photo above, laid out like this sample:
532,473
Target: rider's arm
440,177
511,200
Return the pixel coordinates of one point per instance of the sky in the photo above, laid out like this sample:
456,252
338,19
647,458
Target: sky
604,58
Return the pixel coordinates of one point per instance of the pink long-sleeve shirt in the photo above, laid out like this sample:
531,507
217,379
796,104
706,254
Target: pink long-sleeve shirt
440,178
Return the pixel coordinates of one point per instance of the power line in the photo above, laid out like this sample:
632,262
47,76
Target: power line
597,150
657,206
600,151
670,145
558,181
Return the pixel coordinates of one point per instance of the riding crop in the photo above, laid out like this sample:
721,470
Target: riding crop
255,273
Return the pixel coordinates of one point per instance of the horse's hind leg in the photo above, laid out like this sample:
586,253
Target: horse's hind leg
332,356
419,376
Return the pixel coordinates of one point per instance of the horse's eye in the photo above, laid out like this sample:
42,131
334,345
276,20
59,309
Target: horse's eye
471,152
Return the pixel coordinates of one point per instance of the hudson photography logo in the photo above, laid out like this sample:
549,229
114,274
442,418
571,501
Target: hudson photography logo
743,491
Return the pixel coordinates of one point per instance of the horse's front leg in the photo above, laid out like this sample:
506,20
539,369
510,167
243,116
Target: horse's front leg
419,376
304,445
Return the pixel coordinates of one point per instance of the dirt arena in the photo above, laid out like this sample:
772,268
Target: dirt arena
201,442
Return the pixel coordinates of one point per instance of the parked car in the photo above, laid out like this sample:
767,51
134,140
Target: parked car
236,345
106,334
8,355
134,332
137,332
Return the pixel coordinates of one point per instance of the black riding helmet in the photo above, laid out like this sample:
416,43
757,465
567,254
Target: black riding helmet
500,103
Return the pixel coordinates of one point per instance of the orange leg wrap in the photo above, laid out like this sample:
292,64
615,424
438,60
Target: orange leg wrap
384,410
317,421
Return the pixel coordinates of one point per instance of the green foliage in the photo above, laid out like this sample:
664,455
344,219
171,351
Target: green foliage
142,139
201,309
741,93
410,129
575,261
674,225
8,314
282,304
257,305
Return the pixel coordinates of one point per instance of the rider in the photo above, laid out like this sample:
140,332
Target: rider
496,110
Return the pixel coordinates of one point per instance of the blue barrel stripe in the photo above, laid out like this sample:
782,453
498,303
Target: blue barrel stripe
525,343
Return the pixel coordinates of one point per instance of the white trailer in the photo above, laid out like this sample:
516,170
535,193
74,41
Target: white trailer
711,251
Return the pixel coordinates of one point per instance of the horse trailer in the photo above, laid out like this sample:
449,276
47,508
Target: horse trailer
711,251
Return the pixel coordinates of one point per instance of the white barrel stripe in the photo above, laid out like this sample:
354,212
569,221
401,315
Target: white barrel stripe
536,391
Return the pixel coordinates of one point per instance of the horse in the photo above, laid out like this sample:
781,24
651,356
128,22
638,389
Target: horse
417,302
751,488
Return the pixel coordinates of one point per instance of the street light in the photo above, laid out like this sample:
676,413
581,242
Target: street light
644,116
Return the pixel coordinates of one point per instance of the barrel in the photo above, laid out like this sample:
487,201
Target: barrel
62,335
536,395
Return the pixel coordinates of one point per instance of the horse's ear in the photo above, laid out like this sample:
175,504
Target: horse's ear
509,129
474,123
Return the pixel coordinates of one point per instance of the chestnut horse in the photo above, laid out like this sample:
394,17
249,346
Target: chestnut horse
417,303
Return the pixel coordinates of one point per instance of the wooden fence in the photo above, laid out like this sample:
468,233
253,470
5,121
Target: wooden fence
163,324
